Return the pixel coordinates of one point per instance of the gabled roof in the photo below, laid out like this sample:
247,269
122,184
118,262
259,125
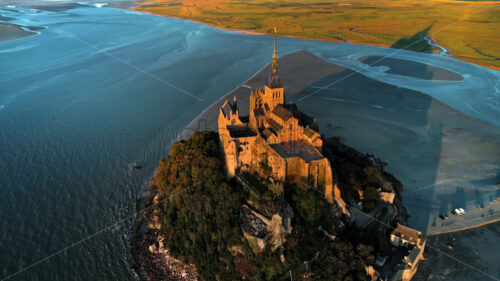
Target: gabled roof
277,127
282,112
407,233
309,132
267,133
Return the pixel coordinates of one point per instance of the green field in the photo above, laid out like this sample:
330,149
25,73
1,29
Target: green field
469,29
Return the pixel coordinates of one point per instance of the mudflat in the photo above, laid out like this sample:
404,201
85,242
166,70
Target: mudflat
12,31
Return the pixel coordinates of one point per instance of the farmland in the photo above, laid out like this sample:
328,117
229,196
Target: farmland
467,29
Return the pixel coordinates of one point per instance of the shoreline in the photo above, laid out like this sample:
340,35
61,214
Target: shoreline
467,227
150,259
465,246
243,31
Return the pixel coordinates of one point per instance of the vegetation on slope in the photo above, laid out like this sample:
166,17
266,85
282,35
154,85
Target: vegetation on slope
358,173
469,29
201,224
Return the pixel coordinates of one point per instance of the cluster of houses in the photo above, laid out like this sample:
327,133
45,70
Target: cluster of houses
409,246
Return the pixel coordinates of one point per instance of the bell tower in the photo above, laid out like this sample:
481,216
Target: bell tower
274,91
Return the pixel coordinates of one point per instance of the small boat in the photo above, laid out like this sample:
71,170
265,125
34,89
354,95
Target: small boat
135,166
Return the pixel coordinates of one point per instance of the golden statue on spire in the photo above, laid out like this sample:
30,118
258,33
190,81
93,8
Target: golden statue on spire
275,55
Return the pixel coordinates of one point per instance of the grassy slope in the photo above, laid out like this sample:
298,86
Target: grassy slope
378,22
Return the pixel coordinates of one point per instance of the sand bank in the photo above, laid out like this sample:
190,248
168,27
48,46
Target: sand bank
59,7
13,31
2,18
294,63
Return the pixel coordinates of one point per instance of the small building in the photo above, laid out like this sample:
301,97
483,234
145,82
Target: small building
414,240
387,197
405,236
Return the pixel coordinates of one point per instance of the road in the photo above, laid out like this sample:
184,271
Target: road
475,217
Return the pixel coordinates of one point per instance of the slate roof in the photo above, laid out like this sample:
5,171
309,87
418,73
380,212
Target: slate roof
412,257
300,149
267,133
282,112
240,131
274,125
309,132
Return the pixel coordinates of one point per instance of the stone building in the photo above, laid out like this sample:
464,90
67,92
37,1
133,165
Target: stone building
275,138
414,240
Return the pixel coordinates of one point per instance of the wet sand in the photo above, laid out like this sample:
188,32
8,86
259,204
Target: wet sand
60,7
412,68
13,31
2,18
475,247
9,10
295,62
444,158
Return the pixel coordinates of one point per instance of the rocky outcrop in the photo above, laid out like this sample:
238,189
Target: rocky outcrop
278,227
152,260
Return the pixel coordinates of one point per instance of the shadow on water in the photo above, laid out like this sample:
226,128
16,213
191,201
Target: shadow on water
458,200
479,200
395,124
416,42
411,68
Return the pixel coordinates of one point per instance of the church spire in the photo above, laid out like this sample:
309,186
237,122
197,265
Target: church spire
274,80
275,55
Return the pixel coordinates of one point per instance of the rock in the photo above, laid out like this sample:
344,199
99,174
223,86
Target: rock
152,248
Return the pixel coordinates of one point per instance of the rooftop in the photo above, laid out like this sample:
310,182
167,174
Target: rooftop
407,233
412,257
240,131
282,112
277,127
267,133
309,132
297,149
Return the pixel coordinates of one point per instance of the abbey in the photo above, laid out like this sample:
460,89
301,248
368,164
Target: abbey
275,138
